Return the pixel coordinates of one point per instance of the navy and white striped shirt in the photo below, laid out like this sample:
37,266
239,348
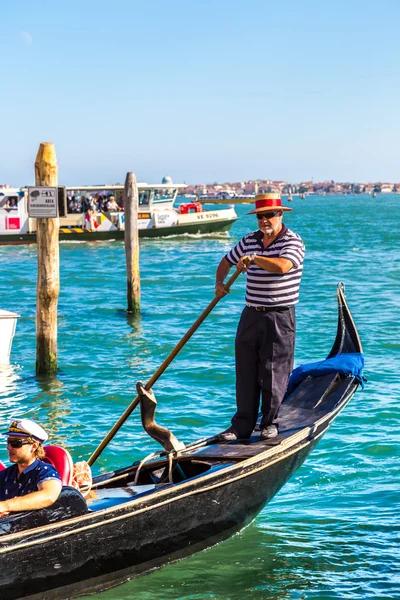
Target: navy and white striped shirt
271,289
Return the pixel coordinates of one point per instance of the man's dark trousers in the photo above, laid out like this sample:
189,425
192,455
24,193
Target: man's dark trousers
264,351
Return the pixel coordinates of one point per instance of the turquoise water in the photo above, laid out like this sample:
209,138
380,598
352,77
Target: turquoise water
333,531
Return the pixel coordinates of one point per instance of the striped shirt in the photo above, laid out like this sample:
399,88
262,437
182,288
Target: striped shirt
271,289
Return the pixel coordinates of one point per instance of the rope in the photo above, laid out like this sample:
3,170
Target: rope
170,463
142,462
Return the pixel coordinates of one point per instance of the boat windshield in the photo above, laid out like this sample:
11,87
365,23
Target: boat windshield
164,194
156,196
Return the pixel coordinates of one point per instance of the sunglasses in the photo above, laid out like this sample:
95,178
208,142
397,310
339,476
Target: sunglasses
268,215
17,443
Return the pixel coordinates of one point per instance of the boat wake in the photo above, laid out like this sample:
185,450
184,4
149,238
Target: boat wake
93,242
195,236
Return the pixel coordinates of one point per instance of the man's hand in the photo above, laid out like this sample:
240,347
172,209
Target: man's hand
245,262
220,290
3,512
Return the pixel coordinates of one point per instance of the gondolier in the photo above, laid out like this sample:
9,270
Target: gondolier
30,483
273,257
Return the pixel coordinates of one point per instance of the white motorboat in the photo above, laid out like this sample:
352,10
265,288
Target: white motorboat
158,216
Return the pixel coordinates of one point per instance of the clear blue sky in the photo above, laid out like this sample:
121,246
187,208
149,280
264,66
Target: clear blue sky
202,90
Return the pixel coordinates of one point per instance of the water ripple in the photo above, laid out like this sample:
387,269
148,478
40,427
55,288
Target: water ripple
333,530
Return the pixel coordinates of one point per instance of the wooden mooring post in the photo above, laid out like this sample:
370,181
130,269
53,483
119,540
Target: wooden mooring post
48,280
132,244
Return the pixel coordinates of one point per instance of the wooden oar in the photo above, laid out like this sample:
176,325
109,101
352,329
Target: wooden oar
159,372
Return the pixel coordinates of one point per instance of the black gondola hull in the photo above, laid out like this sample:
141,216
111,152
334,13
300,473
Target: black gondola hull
95,550
102,556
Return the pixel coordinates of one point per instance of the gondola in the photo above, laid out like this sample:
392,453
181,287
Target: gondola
176,502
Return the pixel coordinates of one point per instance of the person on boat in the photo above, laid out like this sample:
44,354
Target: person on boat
101,204
74,204
88,204
89,208
30,483
11,204
272,257
111,204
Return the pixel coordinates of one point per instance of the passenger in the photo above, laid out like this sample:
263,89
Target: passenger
85,204
89,208
30,483
92,203
111,204
74,206
79,201
11,204
95,200
78,204
101,205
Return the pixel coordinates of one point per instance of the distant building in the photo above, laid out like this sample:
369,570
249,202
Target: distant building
263,186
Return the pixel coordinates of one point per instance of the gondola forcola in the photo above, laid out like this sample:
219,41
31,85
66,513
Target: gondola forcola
174,502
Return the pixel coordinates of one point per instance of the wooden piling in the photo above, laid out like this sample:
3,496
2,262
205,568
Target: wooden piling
132,243
48,281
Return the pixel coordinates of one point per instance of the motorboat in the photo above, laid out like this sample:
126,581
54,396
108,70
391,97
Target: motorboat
159,215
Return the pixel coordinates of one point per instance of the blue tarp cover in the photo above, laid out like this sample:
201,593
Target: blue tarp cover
344,364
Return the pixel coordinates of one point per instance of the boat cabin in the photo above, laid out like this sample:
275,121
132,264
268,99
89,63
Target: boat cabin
74,202
13,211
150,196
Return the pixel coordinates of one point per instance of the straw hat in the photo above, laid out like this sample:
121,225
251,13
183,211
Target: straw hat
268,203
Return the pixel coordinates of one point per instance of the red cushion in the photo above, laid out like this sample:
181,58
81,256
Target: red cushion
2,466
61,461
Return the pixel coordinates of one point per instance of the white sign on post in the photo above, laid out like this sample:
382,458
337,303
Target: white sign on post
43,202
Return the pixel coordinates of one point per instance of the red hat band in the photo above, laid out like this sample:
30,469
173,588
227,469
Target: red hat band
270,203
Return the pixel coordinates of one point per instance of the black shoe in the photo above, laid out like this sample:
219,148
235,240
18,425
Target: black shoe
269,432
227,436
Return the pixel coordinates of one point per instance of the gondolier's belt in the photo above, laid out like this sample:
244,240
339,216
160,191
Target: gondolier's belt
269,308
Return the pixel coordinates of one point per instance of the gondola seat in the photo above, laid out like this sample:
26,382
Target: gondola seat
61,461
2,466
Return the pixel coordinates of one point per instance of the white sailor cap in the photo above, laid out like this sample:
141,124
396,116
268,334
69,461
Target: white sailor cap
26,428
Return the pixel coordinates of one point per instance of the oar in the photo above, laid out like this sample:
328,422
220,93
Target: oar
159,372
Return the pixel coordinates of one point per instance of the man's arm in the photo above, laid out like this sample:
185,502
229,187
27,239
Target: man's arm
222,272
47,494
273,265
